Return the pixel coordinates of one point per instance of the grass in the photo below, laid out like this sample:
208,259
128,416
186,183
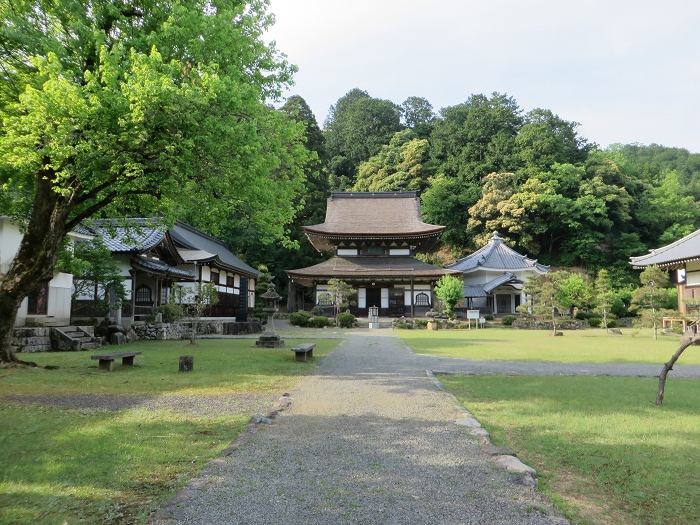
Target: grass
603,451
576,346
91,466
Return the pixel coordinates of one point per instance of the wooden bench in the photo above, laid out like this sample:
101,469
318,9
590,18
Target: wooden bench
106,360
303,351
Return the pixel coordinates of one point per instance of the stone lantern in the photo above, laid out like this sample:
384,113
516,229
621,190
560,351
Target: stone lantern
270,339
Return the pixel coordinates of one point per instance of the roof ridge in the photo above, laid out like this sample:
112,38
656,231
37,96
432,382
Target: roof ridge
662,249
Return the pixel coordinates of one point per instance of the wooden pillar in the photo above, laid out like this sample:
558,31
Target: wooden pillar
291,296
133,295
413,309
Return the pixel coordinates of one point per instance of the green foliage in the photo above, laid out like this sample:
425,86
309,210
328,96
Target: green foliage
508,320
357,127
319,321
95,273
340,294
171,312
595,322
417,114
573,290
346,320
449,290
652,294
542,298
299,318
399,166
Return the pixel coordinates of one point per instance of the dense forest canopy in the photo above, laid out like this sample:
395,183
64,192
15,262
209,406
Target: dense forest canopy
486,164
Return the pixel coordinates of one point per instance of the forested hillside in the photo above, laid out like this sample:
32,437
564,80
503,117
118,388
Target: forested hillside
486,164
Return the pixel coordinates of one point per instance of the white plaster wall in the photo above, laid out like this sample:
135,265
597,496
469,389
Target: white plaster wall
10,239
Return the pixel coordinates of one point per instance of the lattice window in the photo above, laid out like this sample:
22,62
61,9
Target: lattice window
143,295
422,299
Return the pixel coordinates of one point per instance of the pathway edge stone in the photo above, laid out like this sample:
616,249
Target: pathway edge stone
527,474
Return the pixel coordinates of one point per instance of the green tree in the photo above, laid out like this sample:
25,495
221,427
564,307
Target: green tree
95,273
418,114
541,299
604,295
195,301
357,127
546,139
652,293
449,290
447,201
572,290
112,108
477,137
340,293
399,166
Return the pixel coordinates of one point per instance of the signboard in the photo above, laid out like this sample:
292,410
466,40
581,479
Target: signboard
473,314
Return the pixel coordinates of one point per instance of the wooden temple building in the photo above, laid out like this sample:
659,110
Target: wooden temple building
373,238
683,258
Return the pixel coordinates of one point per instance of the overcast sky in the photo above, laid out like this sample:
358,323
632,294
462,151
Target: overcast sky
628,71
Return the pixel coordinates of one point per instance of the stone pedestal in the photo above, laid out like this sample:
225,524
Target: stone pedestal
186,363
268,340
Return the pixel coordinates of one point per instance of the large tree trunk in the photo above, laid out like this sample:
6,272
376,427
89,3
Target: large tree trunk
35,260
686,341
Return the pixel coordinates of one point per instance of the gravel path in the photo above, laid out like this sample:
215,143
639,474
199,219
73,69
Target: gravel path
368,439
198,405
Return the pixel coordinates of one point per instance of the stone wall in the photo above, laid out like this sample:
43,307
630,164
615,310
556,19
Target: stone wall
562,324
159,331
31,340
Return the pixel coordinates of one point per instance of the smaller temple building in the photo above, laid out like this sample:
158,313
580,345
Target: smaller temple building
373,238
152,259
494,276
683,256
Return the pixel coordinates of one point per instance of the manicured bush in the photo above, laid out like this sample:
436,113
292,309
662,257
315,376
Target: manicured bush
420,323
299,318
582,315
488,317
595,322
318,321
507,320
317,310
612,323
346,320
171,312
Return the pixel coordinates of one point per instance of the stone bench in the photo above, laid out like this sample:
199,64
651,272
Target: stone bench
106,360
303,351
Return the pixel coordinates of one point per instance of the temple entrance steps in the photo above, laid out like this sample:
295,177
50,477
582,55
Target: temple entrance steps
73,338
383,322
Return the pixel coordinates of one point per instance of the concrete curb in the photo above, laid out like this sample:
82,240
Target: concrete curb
503,457
168,513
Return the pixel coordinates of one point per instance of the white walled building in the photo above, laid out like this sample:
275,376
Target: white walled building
50,304
494,276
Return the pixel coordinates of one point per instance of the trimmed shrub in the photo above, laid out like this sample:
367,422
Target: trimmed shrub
318,321
488,317
595,322
317,310
171,312
421,323
299,318
612,323
346,320
507,320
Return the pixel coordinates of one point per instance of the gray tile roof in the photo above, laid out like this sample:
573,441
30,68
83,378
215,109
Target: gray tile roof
191,238
128,235
682,250
161,268
482,290
496,255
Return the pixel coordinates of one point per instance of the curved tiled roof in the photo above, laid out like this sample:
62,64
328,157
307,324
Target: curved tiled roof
161,268
369,267
497,256
682,250
128,235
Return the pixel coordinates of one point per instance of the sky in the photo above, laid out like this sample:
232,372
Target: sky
628,71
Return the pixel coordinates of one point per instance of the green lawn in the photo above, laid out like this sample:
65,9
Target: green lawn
576,346
603,451
95,466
